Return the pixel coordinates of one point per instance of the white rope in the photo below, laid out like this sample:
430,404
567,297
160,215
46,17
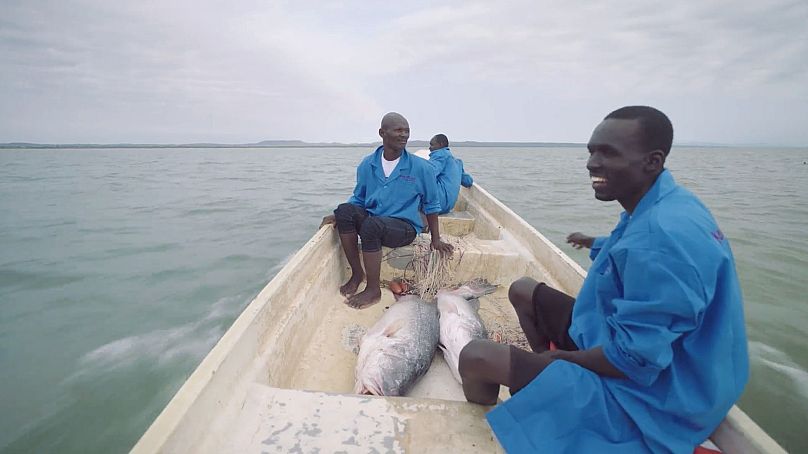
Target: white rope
433,270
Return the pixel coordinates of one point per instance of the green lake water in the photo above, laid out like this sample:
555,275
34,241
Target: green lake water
121,268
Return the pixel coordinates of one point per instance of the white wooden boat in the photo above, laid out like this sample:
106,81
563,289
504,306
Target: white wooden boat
280,379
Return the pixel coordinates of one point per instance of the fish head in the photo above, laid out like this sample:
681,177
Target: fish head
383,371
403,298
368,374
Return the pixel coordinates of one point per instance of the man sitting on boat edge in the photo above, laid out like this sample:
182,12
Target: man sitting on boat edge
448,171
652,353
391,187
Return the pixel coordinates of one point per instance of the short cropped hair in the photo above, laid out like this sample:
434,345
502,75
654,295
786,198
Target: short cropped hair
657,130
442,140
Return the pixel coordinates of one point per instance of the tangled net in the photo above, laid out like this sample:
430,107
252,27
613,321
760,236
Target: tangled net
507,334
431,270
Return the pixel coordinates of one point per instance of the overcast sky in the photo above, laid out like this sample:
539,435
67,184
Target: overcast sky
243,71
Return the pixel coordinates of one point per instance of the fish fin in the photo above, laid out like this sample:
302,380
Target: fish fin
393,328
480,287
447,307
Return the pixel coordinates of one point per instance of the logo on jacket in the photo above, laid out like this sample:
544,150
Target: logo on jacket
718,235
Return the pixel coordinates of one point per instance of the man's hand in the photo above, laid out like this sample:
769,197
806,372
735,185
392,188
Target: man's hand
443,248
559,354
579,240
330,219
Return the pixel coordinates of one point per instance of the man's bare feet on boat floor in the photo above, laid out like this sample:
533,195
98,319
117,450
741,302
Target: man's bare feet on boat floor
350,287
367,298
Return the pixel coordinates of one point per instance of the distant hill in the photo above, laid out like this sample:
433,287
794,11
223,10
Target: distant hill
413,144
471,143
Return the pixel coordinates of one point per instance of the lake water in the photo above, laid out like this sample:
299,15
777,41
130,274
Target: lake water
121,268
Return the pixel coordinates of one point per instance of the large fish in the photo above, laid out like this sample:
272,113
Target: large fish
398,349
460,322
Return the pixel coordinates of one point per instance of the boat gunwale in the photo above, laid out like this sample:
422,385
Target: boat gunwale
736,431
165,425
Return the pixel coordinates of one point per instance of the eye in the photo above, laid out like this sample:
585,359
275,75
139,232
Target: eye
606,151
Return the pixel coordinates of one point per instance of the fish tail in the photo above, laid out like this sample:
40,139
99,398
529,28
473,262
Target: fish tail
480,287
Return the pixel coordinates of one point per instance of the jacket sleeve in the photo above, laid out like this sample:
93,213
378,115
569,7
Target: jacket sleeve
465,179
663,298
358,197
431,199
597,245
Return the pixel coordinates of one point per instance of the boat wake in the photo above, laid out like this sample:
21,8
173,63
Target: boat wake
186,342
780,362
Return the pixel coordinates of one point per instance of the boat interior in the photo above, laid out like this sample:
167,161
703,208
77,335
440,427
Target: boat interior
291,355
281,378
326,353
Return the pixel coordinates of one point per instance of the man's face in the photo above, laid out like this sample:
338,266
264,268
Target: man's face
618,163
395,134
433,144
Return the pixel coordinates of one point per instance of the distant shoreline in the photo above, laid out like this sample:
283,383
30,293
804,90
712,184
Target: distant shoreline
413,144
279,144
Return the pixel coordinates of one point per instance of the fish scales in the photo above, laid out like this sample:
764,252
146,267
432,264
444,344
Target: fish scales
398,349
460,322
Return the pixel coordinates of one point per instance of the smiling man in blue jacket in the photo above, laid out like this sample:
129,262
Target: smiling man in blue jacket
652,352
391,187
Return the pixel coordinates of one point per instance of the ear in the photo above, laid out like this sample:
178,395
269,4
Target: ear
655,161
381,133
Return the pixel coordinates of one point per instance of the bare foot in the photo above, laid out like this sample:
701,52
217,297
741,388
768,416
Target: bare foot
367,298
350,287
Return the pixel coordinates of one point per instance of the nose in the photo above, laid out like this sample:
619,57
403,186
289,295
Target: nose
593,163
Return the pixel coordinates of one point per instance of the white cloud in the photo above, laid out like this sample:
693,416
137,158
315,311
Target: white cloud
93,71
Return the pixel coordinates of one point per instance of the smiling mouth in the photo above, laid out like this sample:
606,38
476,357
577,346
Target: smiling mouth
598,182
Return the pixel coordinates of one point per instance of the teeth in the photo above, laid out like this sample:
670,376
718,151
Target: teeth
598,179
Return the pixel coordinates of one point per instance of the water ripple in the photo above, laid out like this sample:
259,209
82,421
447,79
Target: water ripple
118,259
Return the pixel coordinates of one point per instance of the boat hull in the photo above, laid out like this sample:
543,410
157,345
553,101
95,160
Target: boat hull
281,377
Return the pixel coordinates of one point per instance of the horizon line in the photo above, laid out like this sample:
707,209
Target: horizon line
295,143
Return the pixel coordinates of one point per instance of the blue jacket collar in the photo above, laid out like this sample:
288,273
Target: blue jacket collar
438,150
403,164
663,185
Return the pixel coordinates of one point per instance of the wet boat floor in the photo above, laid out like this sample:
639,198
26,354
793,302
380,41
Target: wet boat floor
329,361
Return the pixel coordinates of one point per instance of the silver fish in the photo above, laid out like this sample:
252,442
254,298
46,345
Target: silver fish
398,349
460,322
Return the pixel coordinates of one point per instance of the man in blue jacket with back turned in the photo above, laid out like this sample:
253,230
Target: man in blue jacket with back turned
652,353
449,172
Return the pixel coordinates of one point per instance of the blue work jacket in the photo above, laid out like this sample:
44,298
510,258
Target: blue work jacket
448,173
663,301
409,188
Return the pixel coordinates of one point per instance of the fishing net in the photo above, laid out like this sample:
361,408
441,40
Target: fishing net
433,271
430,270
509,334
